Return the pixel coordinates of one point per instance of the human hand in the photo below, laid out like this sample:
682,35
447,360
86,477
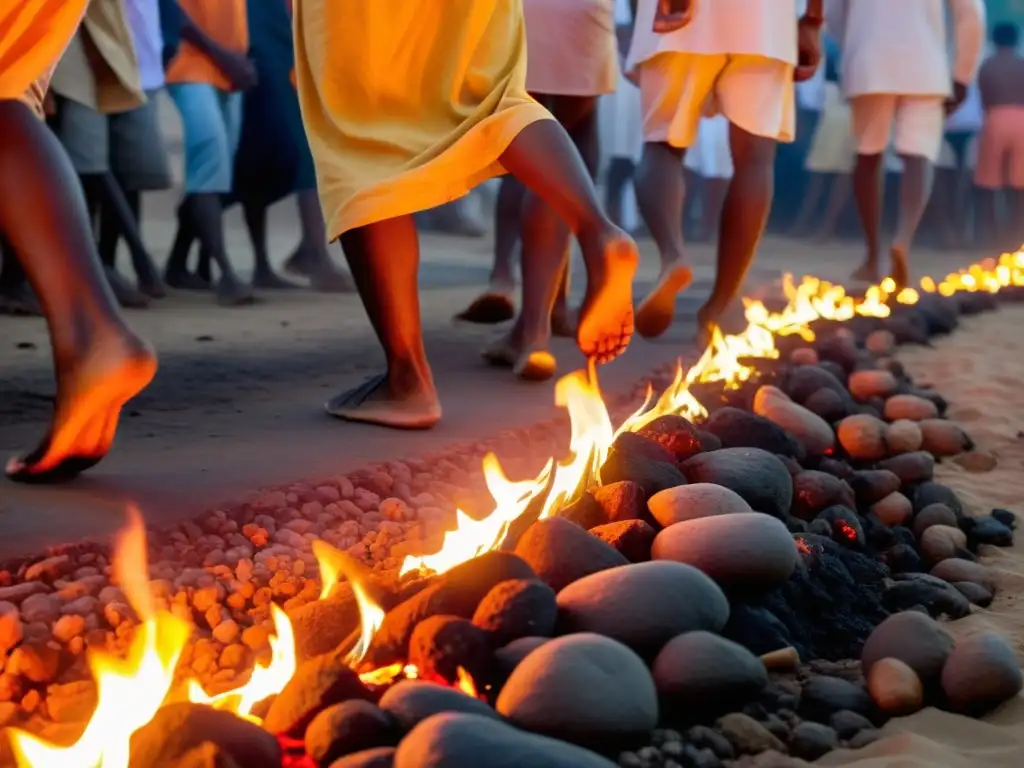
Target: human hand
239,69
808,41
959,94
671,15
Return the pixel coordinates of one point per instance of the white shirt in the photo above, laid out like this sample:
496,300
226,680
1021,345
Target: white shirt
759,27
902,46
148,39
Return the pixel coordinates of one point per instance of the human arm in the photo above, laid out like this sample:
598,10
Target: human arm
809,41
235,66
969,39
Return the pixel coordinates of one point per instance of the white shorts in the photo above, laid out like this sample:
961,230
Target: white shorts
710,155
914,123
755,93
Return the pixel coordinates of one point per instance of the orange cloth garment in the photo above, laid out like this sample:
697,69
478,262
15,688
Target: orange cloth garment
33,35
224,21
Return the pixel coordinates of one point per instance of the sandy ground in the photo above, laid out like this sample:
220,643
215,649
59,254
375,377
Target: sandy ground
978,369
237,404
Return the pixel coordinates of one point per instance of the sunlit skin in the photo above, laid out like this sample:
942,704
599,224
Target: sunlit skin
384,261
100,363
545,267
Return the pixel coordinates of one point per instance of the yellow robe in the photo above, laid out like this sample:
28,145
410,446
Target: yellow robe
408,104
33,35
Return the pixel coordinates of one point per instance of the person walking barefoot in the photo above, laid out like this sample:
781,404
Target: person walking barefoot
100,363
573,55
739,59
385,147
899,80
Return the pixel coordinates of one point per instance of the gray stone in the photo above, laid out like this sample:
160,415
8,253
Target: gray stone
579,686
561,552
758,476
913,638
812,740
980,674
687,502
745,551
703,670
412,701
461,740
644,605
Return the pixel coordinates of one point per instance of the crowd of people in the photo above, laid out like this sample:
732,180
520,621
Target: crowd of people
228,68
377,115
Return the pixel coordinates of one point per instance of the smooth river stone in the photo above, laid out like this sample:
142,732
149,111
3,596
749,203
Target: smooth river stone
470,741
747,551
758,476
644,605
688,502
581,688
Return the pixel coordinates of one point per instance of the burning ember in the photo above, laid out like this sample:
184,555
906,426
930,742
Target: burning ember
131,690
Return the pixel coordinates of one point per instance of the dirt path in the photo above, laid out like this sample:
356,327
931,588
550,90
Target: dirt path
237,404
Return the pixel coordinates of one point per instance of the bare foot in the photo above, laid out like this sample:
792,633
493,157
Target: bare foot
234,293
376,401
606,317
125,293
656,312
900,270
489,308
533,363
90,394
298,264
866,273
271,281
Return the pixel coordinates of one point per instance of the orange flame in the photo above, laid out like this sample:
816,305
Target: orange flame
722,362
130,690
265,681
464,682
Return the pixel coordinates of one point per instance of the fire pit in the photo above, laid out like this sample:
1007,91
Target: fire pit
758,560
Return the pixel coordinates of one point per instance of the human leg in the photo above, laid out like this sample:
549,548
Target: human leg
206,116
744,217
255,214
100,363
312,259
545,258
756,96
872,118
138,162
918,142
495,304
673,90
384,261
543,157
